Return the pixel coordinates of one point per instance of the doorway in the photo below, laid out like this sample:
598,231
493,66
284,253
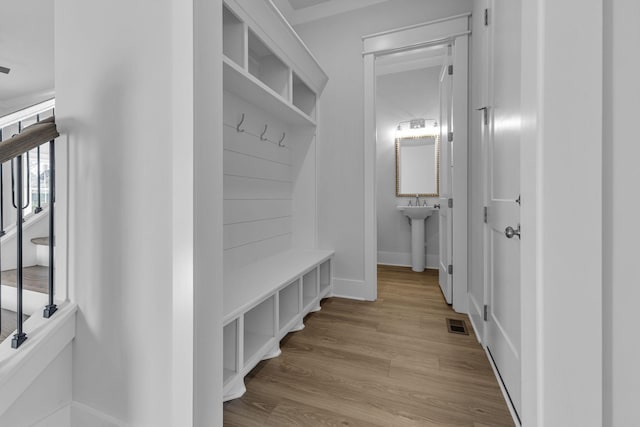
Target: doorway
450,34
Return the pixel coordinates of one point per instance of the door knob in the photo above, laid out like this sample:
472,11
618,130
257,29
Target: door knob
510,232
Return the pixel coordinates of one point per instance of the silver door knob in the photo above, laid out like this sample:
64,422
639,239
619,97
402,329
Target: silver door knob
510,232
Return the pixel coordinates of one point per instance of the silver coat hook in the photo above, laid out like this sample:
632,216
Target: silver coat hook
280,144
262,138
240,124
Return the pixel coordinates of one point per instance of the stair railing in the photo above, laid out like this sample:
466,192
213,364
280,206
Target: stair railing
16,149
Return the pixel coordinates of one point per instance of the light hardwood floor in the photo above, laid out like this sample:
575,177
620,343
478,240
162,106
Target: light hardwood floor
385,363
35,278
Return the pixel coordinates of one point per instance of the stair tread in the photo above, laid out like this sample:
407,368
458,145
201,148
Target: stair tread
44,241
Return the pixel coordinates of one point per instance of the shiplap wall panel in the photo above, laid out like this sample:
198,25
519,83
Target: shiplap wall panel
236,235
238,257
236,164
238,188
245,143
258,186
243,211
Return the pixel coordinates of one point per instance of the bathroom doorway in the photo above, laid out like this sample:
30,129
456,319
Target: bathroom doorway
415,132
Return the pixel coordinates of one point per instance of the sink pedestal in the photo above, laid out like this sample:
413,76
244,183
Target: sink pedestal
417,245
417,215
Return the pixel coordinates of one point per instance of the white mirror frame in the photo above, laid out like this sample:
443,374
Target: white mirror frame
454,30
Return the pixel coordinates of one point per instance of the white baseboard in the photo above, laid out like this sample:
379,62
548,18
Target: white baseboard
404,259
85,416
505,395
351,289
60,418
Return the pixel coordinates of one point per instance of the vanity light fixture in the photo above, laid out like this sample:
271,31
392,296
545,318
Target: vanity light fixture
416,128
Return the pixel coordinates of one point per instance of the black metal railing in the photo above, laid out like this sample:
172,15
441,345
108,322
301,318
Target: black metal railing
16,149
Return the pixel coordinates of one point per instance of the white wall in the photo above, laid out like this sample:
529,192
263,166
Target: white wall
340,142
44,397
620,206
400,97
113,80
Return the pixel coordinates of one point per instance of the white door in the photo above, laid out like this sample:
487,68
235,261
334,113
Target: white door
445,216
477,183
503,189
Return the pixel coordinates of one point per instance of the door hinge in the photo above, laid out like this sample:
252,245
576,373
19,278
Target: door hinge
486,17
486,214
485,115
518,199
450,203
450,70
486,313
450,137
450,269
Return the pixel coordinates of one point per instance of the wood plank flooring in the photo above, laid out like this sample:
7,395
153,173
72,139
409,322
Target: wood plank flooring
385,363
35,278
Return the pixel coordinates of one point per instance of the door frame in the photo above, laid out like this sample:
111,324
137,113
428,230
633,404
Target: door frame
561,260
451,29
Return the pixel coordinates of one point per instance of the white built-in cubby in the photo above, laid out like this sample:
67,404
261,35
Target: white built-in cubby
303,97
274,272
267,67
325,276
309,289
289,307
233,39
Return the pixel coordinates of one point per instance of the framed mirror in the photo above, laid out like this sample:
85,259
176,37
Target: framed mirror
418,166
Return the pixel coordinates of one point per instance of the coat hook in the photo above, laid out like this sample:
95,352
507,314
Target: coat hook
280,144
240,124
262,138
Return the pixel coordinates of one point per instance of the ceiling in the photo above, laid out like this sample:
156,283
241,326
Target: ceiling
301,4
302,11
26,47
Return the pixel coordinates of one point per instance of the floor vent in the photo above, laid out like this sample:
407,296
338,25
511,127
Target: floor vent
456,326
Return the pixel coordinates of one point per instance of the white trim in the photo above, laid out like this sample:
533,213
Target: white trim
418,45
61,416
183,306
505,395
403,259
410,27
27,113
442,30
370,222
561,375
97,418
351,289
46,338
422,34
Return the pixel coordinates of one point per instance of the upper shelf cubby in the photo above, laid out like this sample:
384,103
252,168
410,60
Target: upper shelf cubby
267,67
233,37
303,97
267,64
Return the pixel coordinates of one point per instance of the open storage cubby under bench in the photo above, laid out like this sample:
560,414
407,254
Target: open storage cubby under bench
263,302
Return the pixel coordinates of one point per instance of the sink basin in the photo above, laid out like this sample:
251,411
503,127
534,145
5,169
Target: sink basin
417,212
417,215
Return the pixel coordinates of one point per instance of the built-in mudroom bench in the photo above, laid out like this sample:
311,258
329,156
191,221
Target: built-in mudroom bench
274,271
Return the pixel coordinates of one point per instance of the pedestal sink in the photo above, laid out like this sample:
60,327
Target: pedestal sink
417,214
